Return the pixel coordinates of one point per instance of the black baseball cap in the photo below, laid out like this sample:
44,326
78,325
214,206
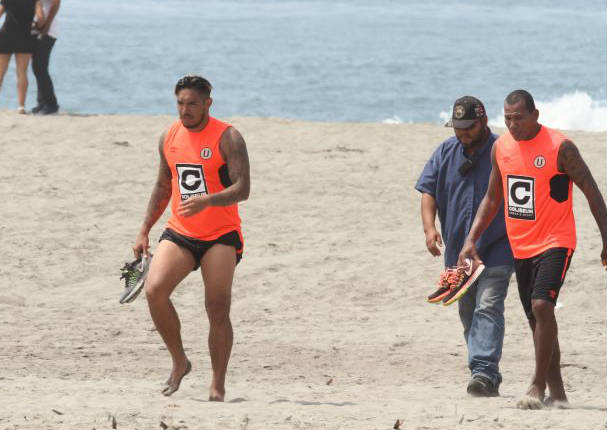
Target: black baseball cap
466,111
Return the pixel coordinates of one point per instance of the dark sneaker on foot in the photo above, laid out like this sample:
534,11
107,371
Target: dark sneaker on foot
447,278
134,274
48,110
464,280
481,386
37,109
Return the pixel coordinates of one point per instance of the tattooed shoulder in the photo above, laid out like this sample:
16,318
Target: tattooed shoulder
571,162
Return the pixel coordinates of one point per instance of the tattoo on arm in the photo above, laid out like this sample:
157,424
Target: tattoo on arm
570,161
161,193
491,202
234,150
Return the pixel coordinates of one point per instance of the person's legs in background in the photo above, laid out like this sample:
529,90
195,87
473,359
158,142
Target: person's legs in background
4,60
47,101
486,334
22,61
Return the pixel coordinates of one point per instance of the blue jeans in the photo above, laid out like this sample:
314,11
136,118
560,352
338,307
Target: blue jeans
481,311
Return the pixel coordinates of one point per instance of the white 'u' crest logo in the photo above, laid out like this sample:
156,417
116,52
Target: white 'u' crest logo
206,153
539,162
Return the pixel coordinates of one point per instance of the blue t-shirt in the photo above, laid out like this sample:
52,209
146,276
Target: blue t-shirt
458,198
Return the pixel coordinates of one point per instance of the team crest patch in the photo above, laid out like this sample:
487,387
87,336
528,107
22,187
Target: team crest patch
459,111
206,153
539,162
521,197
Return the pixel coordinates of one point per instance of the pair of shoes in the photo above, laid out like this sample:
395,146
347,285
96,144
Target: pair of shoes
46,110
134,274
463,281
481,386
455,282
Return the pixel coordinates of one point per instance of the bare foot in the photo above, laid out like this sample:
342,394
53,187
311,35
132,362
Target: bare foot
531,400
172,384
216,395
557,393
551,402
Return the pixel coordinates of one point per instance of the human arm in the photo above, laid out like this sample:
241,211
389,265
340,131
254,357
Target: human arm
487,210
571,162
234,151
39,13
50,17
161,195
1,10
428,210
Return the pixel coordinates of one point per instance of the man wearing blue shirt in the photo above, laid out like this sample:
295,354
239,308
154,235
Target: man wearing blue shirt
453,184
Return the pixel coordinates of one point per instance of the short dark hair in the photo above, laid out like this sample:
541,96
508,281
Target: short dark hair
518,95
198,83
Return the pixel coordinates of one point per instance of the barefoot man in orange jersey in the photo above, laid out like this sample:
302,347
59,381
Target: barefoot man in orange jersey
534,169
204,172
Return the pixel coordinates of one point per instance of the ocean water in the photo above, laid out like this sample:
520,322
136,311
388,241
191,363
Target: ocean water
331,60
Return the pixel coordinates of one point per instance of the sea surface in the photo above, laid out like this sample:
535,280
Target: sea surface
329,60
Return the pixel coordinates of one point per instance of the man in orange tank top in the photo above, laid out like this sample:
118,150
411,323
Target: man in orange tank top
204,170
532,170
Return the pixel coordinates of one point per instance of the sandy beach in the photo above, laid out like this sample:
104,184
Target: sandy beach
331,325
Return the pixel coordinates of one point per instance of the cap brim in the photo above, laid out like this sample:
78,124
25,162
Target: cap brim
461,123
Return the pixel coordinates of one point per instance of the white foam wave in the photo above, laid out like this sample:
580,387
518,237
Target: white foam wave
394,120
445,116
572,111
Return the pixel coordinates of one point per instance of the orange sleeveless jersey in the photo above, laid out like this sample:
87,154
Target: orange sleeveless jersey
198,168
537,197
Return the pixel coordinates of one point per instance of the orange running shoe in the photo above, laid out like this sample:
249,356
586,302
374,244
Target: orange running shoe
462,281
447,279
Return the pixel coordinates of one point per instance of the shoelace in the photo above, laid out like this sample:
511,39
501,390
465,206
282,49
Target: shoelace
130,273
443,281
455,277
130,278
451,277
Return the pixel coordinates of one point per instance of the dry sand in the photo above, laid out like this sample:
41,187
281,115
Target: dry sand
331,325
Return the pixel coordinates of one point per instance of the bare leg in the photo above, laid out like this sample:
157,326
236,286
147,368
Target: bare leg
545,332
4,60
22,62
218,265
558,398
171,264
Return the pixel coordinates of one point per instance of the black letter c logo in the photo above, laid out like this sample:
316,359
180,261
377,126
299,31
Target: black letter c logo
190,184
526,186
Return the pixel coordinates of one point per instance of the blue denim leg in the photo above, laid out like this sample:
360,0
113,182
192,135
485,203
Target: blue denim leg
481,311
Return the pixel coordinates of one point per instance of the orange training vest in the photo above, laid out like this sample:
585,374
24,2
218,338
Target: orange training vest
537,197
198,168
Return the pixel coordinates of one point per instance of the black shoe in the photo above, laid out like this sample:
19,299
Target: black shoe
481,386
37,109
48,110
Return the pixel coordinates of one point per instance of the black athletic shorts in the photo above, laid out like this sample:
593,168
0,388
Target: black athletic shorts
542,276
199,247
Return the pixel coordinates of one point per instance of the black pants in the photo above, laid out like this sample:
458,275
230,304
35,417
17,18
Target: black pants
40,60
